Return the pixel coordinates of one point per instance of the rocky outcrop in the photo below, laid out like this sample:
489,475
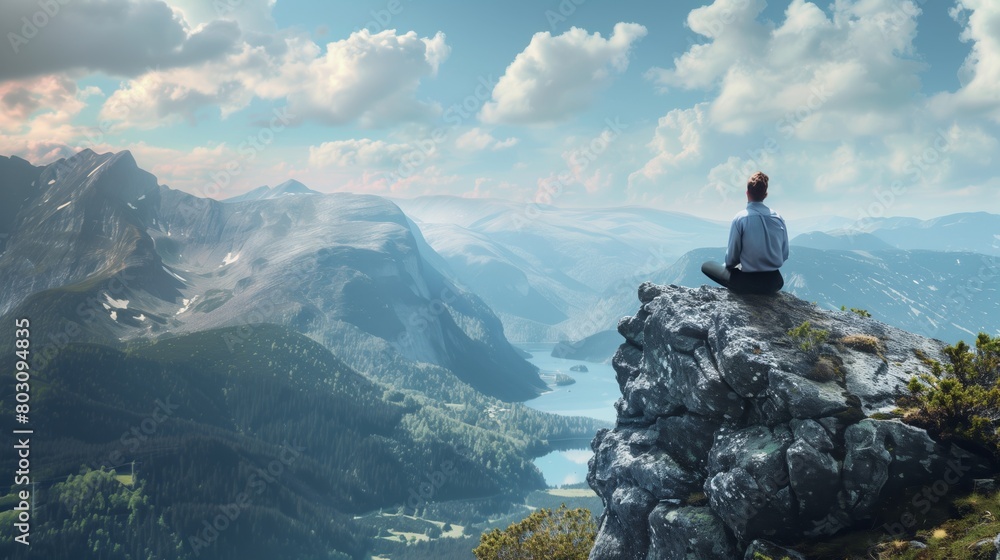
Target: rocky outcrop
732,438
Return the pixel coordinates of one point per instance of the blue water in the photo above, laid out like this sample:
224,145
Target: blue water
593,395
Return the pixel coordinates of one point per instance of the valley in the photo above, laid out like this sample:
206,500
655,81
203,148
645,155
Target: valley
362,377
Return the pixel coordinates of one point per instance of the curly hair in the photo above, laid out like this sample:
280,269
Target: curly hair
757,186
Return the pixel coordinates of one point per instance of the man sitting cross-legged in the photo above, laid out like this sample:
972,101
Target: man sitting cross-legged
758,246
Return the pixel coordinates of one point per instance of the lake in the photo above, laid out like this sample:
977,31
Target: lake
593,395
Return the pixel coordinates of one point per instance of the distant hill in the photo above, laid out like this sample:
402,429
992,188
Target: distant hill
944,295
598,347
538,265
288,188
975,232
97,240
841,241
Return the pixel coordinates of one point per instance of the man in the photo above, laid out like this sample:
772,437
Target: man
758,246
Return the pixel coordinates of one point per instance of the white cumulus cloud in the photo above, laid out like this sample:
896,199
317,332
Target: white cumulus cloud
980,74
356,152
477,139
814,76
369,79
555,77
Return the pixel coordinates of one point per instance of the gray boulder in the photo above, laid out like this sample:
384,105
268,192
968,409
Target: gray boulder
689,533
731,438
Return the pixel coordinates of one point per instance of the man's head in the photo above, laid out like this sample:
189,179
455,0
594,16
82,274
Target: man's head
757,187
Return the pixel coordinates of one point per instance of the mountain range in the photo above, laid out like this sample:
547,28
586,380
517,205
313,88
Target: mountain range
539,266
279,319
136,259
374,333
949,296
562,274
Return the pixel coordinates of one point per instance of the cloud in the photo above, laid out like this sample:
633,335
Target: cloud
827,102
980,74
677,141
732,25
477,139
844,170
251,15
362,152
36,117
554,78
365,78
117,37
369,78
815,76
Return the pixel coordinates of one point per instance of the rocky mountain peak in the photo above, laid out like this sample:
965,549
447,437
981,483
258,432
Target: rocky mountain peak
756,417
288,188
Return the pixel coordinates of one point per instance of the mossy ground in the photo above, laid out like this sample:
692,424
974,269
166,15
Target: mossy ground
975,518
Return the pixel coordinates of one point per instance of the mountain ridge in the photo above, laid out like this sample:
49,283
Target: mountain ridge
143,259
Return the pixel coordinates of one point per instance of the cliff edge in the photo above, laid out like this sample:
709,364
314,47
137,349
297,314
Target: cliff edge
733,434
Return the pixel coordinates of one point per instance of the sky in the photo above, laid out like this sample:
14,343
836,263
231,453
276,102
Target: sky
856,108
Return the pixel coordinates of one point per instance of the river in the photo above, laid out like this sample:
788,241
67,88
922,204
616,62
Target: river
593,395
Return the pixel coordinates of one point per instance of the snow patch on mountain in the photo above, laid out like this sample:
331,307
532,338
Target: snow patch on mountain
116,303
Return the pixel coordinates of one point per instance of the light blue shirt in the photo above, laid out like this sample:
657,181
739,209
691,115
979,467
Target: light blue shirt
758,240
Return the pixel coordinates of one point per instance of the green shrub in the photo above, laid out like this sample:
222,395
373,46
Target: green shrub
564,534
808,338
860,312
960,400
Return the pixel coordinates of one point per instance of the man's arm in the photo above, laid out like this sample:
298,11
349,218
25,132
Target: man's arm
784,241
735,243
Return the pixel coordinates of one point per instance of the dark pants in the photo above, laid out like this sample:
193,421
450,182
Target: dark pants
744,282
